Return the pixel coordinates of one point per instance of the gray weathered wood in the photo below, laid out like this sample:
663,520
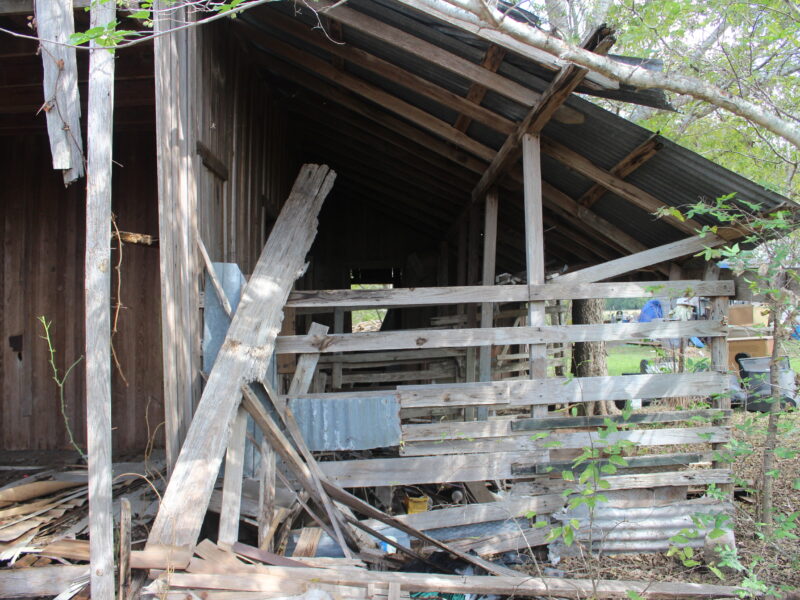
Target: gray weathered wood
509,426
212,274
177,216
124,577
534,251
232,482
244,357
641,260
499,336
557,290
55,25
487,276
558,390
39,581
568,441
100,121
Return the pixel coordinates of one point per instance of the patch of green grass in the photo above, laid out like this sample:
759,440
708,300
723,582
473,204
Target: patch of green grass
625,358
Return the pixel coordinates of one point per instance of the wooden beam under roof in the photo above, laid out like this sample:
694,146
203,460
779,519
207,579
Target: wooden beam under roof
369,91
635,159
440,57
627,191
379,66
540,113
491,61
552,197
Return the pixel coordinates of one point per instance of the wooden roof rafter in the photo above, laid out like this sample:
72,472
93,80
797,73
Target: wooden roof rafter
540,113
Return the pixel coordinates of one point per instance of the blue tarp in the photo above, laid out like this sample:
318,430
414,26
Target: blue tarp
651,310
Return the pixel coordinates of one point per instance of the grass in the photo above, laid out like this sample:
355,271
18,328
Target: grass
625,358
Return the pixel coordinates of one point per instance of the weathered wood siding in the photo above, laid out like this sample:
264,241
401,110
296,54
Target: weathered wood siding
41,273
241,122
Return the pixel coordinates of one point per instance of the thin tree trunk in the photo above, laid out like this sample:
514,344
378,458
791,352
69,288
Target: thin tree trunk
589,358
772,425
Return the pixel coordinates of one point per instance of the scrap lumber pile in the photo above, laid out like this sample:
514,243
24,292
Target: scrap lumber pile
310,525
44,525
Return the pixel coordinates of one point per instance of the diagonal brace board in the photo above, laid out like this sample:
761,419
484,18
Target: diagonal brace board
243,358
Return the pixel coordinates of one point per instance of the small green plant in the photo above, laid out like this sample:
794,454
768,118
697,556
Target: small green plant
60,380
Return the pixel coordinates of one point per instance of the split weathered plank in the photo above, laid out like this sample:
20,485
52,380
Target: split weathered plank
628,482
505,427
429,469
566,441
557,290
268,579
39,581
641,260
497,336
62,107
243,357
469,514
100,119
232,481
559,390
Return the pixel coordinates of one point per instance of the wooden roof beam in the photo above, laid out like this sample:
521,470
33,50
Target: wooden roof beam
379,66
551,100
471,162
640,155
440,57
627,191
491,61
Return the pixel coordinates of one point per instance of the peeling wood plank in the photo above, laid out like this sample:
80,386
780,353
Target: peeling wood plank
62,106
244,357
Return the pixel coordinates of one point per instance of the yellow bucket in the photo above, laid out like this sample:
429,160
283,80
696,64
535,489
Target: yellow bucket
416,505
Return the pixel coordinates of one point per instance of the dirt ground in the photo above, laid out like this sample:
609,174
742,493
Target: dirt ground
775,562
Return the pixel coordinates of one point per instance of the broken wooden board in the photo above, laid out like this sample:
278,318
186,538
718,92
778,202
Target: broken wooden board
243,358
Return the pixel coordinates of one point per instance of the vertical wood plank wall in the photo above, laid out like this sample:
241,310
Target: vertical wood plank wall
41,273
241,122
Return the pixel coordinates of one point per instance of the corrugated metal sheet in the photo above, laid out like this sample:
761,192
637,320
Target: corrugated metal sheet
674,175
634,530
358,423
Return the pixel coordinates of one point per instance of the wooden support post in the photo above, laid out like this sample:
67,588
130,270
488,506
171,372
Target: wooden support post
180,298
124,549
336,368
100,120
232,482
62,107
443,273
719,361
534,252
471,367
489,255
244,356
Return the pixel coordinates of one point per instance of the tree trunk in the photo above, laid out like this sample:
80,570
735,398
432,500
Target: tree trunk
772,425
589,358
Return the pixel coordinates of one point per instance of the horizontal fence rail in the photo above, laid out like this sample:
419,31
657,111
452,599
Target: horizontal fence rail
425,296
497,336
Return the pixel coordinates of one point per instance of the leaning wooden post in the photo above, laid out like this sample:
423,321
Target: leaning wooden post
98,307
243,358
534,251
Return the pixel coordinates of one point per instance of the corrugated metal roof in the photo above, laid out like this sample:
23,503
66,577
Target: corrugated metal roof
675,175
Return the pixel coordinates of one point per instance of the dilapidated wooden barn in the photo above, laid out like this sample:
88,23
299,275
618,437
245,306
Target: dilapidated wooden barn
475,183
